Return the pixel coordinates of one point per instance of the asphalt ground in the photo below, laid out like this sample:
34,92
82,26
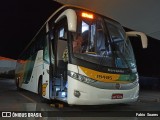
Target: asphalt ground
13,100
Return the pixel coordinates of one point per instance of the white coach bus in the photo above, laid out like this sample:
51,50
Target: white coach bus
82,58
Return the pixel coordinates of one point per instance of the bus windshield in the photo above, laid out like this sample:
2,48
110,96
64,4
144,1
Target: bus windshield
104,42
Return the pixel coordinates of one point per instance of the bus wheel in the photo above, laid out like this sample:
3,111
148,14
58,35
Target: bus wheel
40,88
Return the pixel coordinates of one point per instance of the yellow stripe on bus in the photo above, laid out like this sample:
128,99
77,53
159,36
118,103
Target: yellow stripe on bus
100,76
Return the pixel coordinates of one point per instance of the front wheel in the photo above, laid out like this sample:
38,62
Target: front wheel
40,88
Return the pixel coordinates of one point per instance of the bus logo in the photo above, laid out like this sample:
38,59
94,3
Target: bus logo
6,114
117,86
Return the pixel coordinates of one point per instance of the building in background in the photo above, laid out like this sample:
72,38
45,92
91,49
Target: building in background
7,67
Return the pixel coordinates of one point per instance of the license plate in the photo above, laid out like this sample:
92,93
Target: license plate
117,96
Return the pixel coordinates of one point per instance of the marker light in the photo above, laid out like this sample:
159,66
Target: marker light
87,15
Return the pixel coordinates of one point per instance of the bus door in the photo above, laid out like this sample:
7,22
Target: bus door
61,56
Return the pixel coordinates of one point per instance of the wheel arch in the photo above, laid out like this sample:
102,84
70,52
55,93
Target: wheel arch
39,82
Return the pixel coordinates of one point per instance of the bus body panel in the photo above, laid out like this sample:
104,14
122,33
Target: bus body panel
90,95
37,71
71,19
94,96
45,79
32,82
72,67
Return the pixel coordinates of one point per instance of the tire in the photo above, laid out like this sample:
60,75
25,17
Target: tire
40,88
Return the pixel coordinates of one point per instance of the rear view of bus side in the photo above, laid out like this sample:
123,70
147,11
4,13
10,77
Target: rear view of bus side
82,58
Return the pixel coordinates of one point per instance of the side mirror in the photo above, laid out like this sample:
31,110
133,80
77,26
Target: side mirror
139,34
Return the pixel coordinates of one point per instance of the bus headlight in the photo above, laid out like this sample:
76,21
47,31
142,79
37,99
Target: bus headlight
88,80
80,77
73,75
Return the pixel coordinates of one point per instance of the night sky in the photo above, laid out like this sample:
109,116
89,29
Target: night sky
19,22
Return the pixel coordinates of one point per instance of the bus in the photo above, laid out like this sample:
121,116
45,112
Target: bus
82,58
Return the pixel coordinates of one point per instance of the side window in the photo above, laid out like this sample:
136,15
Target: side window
84,40
62,44
61,41
61,33
46,55
58,37
46,50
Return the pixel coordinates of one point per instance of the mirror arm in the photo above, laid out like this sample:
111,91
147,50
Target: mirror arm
137,34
